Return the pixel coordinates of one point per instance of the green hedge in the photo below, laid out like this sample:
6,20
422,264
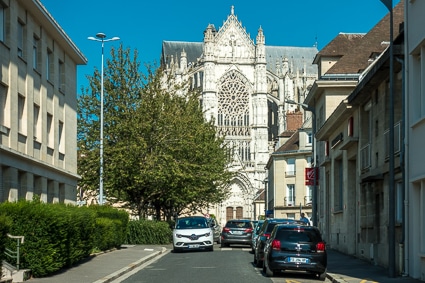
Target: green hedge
5,224
58,235
147,232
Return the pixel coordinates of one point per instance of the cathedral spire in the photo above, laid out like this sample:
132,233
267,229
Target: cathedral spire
232,10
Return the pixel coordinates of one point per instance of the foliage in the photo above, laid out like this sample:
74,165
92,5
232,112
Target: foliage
58,235
148,232
5,224
160,155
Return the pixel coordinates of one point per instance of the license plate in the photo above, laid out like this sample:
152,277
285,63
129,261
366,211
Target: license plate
238,232
298,260
193,246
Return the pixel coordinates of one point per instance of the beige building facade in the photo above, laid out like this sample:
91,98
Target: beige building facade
38,105
352,102
289,193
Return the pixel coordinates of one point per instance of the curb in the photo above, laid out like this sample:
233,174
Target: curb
122,271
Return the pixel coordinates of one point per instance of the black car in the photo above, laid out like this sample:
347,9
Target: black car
295,248
237,231
264,234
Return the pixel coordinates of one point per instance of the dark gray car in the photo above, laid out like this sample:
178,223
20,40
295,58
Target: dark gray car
237,231
295,248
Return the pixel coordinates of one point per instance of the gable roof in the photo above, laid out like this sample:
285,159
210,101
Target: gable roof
357,60
292,144
339,46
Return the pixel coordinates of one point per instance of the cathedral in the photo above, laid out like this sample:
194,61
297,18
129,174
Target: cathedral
244,87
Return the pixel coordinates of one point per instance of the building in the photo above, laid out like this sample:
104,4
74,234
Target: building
244,86
290,192
38,105
414,98
352,100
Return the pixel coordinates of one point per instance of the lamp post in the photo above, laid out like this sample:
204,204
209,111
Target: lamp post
101,38
391,189
313,122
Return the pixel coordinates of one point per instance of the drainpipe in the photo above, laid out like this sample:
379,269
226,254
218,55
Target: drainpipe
403,244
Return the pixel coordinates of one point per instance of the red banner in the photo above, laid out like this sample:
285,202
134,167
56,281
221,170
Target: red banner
311,175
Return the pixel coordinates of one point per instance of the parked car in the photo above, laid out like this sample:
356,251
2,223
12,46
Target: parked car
216,229
257,228
295,248
237,231
193,232
264,234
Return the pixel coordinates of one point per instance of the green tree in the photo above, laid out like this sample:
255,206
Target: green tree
160,155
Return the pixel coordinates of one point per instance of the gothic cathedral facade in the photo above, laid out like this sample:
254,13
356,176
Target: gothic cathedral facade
244,86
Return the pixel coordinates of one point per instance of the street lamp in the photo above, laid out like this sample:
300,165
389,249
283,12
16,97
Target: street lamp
313,122
101,38
391,188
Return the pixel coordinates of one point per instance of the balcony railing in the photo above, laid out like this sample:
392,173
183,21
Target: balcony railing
397,140
365,157
289,173
289,201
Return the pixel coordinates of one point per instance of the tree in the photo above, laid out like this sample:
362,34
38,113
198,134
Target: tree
160,155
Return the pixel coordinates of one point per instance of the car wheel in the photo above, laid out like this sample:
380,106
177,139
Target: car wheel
175,250
322,276
223,245
267,270
211,249
219,240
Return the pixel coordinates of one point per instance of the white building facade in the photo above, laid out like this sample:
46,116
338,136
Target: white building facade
38,105
415,135
244,86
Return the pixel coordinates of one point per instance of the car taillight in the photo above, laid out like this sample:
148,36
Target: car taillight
249,230
267,235
320,247
226,230
276,245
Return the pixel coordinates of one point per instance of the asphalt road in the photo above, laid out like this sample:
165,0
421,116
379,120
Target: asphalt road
234,264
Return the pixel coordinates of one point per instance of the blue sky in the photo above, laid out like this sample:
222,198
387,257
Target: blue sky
143,25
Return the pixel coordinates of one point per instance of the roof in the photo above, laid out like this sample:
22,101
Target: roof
298,57
292,144
340,45
357,59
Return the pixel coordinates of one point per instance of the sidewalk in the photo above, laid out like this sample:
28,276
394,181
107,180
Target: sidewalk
106,267
343,268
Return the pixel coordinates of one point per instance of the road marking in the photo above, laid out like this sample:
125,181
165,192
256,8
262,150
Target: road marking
291,281
365,280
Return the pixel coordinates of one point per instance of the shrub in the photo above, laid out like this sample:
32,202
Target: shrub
148,232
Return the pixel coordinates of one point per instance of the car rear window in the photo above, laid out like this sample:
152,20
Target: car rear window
297,236
238,224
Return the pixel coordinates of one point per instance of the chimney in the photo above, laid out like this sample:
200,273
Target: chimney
294,121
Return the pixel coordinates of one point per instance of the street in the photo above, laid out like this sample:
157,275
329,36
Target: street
234,264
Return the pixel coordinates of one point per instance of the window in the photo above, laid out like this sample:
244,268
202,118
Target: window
399,203
290,167
338,185
309,138
21,112
21,39
3,97
36,122
49,130
2,23
290,194
61,75
35,53
49,65
61,142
